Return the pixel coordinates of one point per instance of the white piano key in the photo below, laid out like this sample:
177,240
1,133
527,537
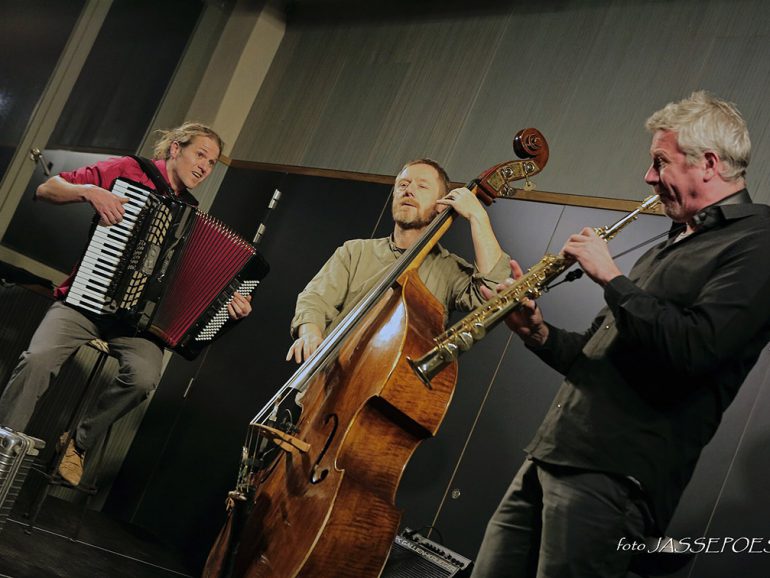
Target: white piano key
116,235
93,296
112,260
85,305
91,266
94,273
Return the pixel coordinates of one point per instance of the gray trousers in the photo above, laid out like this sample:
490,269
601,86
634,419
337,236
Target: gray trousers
556,522
61,332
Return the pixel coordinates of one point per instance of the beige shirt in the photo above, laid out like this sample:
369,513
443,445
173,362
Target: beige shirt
356,267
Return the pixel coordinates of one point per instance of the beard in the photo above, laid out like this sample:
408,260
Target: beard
417,222
673,213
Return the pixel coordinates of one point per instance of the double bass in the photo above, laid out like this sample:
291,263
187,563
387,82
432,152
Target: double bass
322,461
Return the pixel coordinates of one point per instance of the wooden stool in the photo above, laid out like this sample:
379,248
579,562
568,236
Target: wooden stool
51,474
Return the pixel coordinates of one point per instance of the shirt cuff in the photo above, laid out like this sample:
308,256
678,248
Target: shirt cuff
306,317
499,272
549,341
616,291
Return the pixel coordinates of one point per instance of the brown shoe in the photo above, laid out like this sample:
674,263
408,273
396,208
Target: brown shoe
71,466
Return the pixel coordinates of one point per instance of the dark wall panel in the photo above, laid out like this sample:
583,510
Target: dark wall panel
21,310
126,75
38,30
52,234
725,498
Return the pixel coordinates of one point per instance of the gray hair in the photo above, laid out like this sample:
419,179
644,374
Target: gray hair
703,123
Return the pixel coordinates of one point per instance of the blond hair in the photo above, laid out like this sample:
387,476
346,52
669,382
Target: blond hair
703,123
183,135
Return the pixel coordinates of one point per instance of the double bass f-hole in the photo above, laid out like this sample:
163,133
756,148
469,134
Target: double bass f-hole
319,474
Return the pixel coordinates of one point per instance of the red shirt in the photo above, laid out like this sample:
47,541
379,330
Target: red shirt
103,174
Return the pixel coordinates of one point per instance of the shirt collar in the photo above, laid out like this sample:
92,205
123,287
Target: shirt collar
398,251
735,206
393,247
185,194
161,164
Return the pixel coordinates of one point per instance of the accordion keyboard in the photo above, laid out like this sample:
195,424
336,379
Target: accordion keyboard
101,262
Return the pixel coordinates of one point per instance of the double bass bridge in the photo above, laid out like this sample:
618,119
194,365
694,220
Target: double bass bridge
282,439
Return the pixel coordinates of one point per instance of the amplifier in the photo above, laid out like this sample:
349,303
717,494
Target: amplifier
17,453
414,556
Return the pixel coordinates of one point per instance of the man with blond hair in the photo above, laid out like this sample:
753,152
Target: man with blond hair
646,386
184,158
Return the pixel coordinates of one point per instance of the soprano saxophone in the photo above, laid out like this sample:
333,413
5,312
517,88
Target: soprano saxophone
474,327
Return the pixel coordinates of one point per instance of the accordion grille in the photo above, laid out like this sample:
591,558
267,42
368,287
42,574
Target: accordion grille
156,233
211,257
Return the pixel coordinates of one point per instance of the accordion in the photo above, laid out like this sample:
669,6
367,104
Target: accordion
166,269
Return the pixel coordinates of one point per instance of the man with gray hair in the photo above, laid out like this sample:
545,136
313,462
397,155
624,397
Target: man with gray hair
646,386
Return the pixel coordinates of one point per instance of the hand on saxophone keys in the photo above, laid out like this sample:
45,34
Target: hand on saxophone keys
514,303
526,320
592,252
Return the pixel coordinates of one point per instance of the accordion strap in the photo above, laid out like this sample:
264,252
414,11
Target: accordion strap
161,184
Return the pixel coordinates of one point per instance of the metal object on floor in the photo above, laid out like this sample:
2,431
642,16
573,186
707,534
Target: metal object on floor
17,454
414,556
51,473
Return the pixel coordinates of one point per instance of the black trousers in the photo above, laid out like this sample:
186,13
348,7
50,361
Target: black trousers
558,522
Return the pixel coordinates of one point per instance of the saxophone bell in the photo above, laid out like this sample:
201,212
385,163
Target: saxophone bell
430,364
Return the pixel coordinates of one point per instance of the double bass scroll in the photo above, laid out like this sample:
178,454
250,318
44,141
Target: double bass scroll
531,147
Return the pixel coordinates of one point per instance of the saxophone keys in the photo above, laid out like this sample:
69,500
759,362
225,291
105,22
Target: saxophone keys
449,352
466,340
478,331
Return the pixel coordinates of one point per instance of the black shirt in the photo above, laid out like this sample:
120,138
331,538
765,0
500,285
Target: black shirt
647,384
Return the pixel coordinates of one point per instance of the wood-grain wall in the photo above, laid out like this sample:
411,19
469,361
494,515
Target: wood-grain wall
365,94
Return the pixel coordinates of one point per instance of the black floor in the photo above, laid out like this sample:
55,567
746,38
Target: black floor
104,548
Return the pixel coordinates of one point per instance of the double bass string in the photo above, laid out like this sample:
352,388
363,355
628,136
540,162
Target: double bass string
318,360
254,444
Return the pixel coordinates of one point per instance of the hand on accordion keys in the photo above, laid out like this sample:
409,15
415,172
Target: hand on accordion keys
239,307
107,205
